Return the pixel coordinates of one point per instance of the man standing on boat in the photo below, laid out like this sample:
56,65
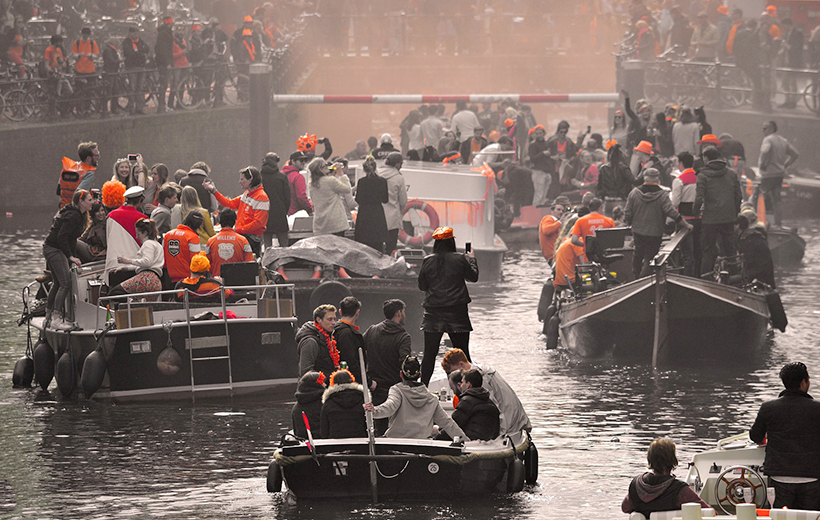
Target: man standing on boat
550,226
647,208
790,425
316,345
588,224
348,338
776,155
387,344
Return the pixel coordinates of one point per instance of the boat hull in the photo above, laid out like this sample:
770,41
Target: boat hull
704,320
408,469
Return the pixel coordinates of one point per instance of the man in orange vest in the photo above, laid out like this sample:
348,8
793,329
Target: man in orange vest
180,245
78,175
227,245
84,51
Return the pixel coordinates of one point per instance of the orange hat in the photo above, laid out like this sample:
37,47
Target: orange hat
443,232
722,9
167,20
509,122
113,194
537,127
247,32
710,139
610,143
645,147
196,27
771,9
200,263
248,19
306,143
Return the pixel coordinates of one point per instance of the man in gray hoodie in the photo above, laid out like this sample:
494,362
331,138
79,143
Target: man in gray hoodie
647,208
412,409
717,192
397,198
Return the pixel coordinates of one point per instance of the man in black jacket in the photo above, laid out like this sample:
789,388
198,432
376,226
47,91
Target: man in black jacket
164,59
476,414
277,187
387,345
791,426
135,54
348,337
314,343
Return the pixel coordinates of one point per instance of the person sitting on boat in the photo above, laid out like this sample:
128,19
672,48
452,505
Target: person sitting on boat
413,410
659,490
588,224
121,234
181,244
550,227
569,221
757,257
149,262
513,417
309,392
567,256
227,246
201,287
342,415
59,250
348,338
251,207
790,427
315,343
91,245
387,344
476,413
647,209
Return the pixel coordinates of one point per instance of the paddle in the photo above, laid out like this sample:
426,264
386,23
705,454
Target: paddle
310,439
371,434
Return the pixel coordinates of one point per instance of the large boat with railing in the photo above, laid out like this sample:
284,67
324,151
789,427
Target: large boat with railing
239,340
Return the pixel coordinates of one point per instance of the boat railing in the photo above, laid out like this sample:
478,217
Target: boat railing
735,442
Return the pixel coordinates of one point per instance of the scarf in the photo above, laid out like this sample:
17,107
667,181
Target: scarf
331,346
688,176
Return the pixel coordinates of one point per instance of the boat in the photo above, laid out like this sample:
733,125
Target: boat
160,350
666,317
338,469
786,245
800,194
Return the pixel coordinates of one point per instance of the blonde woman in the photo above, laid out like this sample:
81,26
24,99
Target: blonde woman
189,201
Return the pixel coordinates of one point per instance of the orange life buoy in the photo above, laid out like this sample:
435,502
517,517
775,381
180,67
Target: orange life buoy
434,223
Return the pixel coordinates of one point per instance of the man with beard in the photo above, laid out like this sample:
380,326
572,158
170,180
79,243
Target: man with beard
78,175
316,346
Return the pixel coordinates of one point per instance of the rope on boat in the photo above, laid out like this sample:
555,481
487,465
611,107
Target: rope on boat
392,476
458,460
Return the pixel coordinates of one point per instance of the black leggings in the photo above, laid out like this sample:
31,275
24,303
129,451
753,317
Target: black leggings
432,341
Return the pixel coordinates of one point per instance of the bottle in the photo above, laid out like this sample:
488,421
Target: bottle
108,316
343,365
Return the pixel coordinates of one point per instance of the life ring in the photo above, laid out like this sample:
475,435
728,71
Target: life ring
434,223
331,292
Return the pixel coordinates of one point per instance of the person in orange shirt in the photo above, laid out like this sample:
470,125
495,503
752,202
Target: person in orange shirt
550,227
567,256
84,50
55,59
587,224
251,207
181,244
227,245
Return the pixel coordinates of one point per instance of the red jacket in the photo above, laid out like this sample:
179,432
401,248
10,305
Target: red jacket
298,191
251,210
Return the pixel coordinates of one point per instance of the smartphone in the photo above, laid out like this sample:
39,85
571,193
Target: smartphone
132,157
468,247
589,129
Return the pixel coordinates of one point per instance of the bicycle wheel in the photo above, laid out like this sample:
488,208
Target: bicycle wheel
19,105
150,88
192,92
811,96
237,89
735,87
87,100
40,97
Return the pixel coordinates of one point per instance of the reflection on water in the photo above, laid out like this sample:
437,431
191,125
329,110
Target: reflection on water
591,422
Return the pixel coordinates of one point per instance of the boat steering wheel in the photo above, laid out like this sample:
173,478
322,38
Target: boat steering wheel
731,484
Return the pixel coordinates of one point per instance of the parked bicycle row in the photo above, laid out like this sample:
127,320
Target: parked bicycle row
69,95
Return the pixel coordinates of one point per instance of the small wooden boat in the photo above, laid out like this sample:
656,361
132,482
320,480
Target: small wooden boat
786,245
800,194
407,468
666,317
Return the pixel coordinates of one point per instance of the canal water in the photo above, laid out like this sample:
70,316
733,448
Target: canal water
592,423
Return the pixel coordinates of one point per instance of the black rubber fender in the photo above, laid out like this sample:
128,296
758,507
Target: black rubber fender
515,476
531,464
776,311
330,292
66,374
552,332
23,372
93,373
44,360
547,293
274,477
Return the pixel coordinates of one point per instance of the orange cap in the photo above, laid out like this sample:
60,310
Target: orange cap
610,143
167,20
509,122
200,263
537,127
710,139
645,147
771,9
248,19
443,232
722,9
247,32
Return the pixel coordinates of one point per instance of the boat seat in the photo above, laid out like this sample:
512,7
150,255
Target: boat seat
596,252
669,515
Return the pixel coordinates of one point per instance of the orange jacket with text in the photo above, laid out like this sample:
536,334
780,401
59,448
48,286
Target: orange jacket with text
225,247
251,210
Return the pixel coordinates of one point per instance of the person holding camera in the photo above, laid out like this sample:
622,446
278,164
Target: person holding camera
327,183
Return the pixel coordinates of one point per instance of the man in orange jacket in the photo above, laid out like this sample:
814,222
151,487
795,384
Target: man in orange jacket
84,50
227,245
251,207
550,227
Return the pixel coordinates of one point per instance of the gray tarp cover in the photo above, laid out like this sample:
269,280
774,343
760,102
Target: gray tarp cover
331,249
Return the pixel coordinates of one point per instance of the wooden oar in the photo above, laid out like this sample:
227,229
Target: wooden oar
371,434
